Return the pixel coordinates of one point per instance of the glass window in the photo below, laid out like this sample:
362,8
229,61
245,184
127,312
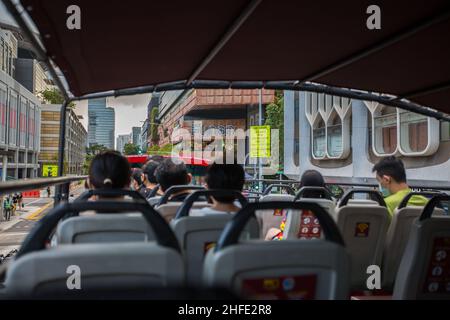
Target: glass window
2,54
414,132
334,132
13,115
319,140
3,114
385,131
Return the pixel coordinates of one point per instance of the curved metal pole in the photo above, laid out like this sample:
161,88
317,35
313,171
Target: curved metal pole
62,192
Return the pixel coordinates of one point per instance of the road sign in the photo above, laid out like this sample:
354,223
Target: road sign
50,170
260,141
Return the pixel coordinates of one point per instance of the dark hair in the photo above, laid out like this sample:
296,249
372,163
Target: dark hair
170,174
109,169
137,176
149,170
392,167
225,176
312,178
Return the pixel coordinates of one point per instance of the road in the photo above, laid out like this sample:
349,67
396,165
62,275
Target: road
12,233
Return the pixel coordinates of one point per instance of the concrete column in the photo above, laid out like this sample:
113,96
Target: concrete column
4,174
5,168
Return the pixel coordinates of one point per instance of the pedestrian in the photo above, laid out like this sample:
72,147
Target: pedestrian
48,192
21,204
15,200
7,207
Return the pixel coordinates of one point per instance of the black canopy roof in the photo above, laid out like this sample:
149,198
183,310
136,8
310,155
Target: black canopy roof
176,44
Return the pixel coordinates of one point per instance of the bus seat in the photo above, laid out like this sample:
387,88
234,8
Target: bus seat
101,266
153,200
198,230
290,269
198,234
425,265
364,229
268,219
301,225
304,225
361,202
328,205
104,228
169,209
398,235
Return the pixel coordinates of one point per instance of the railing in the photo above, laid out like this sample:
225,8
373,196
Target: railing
367,183
63,184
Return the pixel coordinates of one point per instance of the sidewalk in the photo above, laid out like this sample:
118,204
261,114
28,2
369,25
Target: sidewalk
27,213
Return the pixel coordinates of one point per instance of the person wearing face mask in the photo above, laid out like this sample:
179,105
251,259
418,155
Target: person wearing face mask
391,177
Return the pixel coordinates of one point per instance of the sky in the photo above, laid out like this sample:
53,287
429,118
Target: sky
130,111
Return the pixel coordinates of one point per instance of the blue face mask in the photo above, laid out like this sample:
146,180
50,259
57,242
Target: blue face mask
384,191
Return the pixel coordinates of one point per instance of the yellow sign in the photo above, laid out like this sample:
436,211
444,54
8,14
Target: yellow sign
260,141
50,170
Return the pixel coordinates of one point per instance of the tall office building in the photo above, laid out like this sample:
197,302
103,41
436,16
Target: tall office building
122,140
136,133
101,123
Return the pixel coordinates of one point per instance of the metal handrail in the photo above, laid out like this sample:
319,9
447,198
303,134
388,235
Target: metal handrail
37,183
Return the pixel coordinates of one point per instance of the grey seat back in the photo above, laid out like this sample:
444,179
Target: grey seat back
396,240
425,266
153,200
268,219
364,229
289,269
104,228
169,209
301,225
328,205
198,233
100,266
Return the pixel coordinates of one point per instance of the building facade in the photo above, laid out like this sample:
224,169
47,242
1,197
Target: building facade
344,138
122,140
203,109
31,75
75,142
145,135
101,123
20,113
136,136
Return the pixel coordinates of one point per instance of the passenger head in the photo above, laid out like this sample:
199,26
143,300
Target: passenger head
169,173
312,178
136,179
225,176
109,169
148,172
390,174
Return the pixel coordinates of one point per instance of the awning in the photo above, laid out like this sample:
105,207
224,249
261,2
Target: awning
236,43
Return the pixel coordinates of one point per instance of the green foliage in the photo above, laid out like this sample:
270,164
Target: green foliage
54,96
130,149
90,154
160,151
275,119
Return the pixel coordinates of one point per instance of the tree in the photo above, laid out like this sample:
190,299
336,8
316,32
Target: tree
90,154
95,149
130,149
160,151
54,96
275,119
